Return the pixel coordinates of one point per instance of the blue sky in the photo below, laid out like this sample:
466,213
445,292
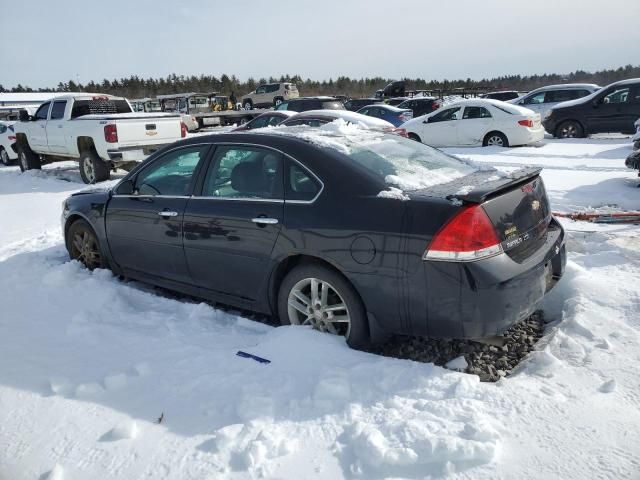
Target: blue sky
43,42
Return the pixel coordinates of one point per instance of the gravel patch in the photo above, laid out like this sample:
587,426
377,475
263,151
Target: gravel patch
489,362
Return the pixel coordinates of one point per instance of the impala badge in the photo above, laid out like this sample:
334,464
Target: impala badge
535,204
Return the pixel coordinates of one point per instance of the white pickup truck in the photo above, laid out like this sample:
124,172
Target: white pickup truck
101,131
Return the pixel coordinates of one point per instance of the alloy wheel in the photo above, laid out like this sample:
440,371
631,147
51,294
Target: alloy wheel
569,131
314,302
85,249
89,170
23,161
495,141
4,157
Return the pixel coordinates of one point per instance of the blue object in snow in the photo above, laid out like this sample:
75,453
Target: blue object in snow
253,357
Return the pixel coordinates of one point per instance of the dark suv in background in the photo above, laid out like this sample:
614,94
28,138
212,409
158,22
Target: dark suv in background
613,108
421,105
304,104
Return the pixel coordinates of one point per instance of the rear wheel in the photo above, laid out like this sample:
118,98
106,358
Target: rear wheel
248,105
495,139
83,245
93,169
28,159
569,129
415,137
4,157
317,296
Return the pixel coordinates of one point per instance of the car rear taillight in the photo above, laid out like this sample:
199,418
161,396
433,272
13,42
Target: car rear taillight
12,137
468,236
399,131
526,123
183,129
111,133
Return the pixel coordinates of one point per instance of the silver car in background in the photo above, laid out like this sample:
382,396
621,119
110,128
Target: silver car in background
542,99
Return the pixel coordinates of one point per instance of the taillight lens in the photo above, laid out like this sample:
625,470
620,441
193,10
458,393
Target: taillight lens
111,133
468,236
398,131
183,129
11,137
526,123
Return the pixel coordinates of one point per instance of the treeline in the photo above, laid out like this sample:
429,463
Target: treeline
136,87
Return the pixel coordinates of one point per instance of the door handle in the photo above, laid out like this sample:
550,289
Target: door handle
167,213
265,220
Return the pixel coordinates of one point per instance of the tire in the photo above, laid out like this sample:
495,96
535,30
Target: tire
413,136
636,145
248,105
277,101
83,245
339,292
92,168
4,157
27,159
569,129
495,139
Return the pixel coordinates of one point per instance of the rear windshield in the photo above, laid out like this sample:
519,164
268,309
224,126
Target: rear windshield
507,108
101,106
332,105
405,164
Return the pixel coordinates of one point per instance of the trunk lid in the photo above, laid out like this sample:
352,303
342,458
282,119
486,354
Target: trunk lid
516,204
150,130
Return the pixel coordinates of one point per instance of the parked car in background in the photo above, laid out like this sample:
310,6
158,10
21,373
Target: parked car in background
303,104
502,95
258,221
394,115
7,143
269,95
420,105
391,90
99,130
613,108
477,122
315,118
636,137
267,119
542,99
355,104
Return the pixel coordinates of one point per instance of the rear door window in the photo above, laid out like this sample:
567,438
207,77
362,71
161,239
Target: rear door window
535,99
617,95
300,183
475,112
57,111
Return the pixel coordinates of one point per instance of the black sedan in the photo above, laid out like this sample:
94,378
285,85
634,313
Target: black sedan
359,234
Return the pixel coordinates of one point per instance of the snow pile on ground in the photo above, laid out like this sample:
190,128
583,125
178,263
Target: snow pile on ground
107,379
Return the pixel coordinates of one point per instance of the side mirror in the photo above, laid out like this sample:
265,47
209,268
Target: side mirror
125,188
426,120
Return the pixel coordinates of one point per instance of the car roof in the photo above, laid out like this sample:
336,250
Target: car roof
352,117
566,86
319,97
391,108
628,81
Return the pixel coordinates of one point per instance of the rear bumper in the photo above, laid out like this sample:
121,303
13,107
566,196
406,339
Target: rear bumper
133,154
485,298
527,136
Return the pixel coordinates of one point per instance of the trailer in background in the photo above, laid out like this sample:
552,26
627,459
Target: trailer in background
206,109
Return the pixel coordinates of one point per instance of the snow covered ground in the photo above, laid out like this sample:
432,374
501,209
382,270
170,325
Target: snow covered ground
90,363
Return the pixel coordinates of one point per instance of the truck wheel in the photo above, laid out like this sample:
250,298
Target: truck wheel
4,157
93,169
27,159
248,105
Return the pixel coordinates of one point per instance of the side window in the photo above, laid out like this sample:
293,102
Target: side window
560,96
283,106
635,94
274,88
172,173
365,111
244,172
261,89
535,99
300,184
57,111
446,115
41,113
258,123
274,120
3,128
619,95
475,112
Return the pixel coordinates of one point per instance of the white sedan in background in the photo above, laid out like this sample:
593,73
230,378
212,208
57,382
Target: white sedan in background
477,122
7,139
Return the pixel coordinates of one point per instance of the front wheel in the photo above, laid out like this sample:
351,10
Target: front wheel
93,169
495,139
317,296
569,129
83,245
28,159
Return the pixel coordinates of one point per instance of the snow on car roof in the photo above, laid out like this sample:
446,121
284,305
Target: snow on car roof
346,115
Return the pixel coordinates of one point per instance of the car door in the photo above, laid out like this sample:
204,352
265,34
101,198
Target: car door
441,129
475,124
260,96
231,227
56,138
38,129
611,111
144,218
